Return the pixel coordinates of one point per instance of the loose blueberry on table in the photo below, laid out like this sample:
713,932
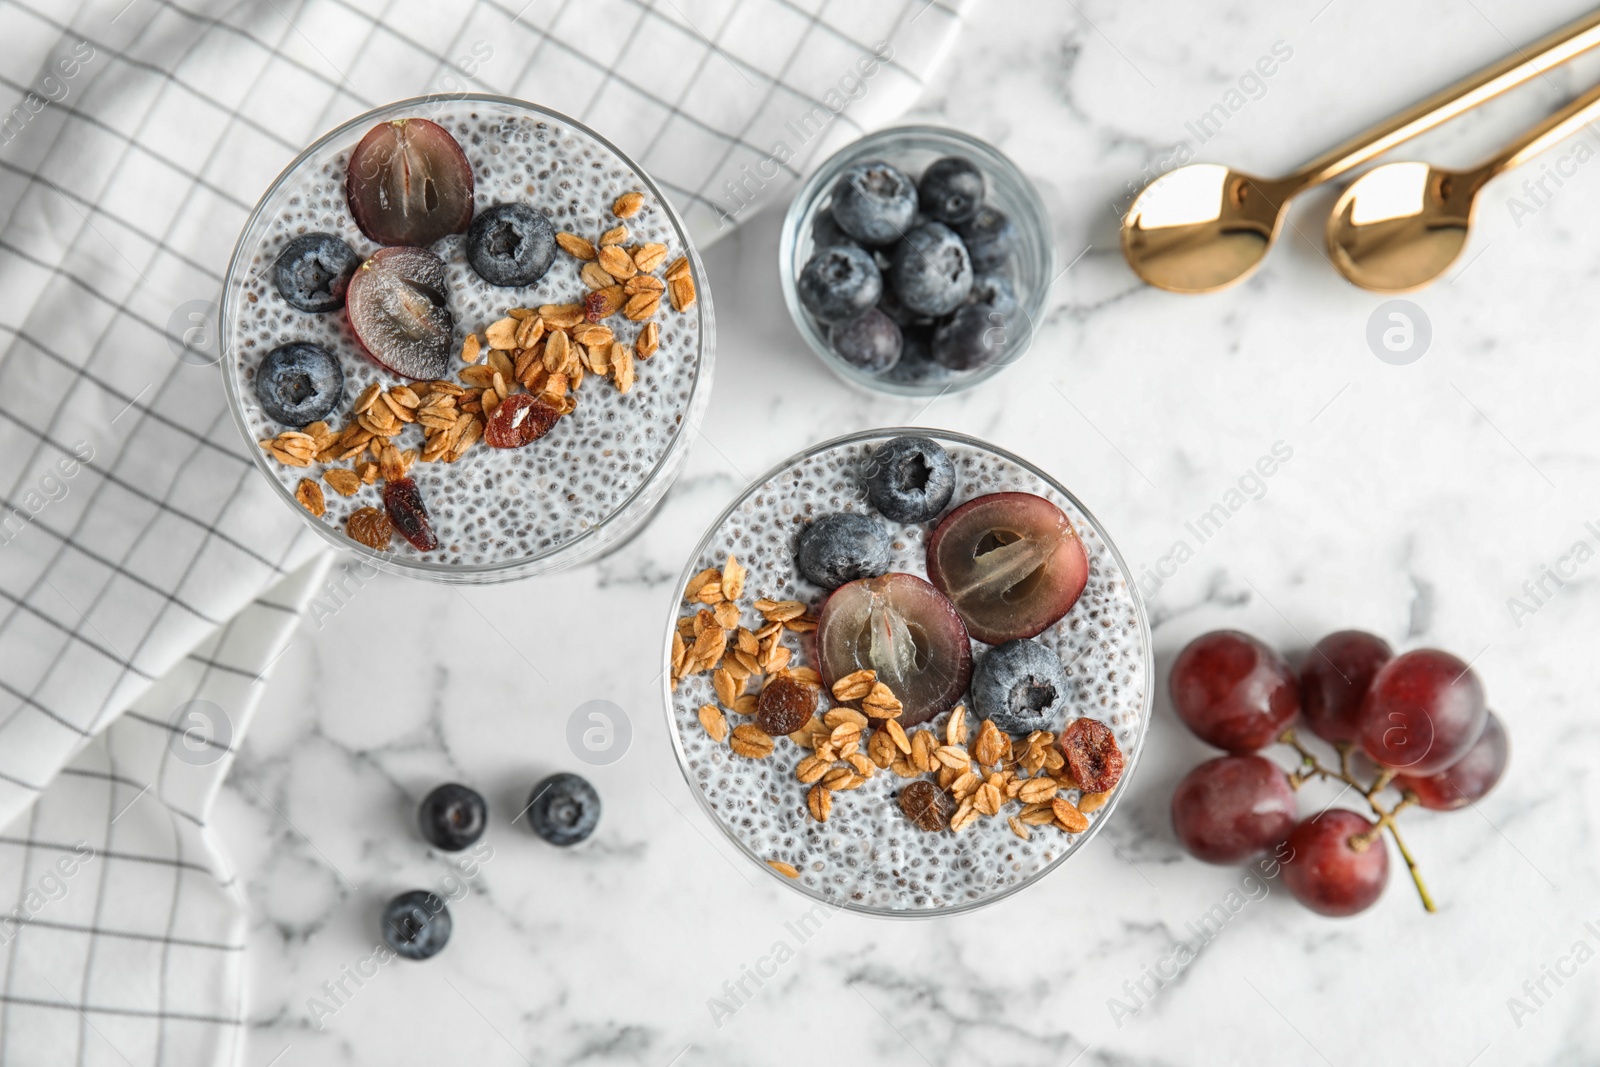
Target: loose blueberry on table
1417,720
929,256
417,925
564,809
452,817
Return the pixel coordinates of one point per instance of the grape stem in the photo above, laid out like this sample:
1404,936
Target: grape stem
1312,767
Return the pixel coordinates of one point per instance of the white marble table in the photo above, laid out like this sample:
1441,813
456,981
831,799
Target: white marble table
1417,501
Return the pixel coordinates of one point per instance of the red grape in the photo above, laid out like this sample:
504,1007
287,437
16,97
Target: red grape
1233,691
1329,874
1424,710
1233,807
1467,779
1334,680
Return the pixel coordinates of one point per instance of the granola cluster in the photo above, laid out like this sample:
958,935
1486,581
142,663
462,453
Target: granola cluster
854,732
545,352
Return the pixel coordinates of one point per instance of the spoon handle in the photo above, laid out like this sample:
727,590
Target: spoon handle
1525,63
1553,130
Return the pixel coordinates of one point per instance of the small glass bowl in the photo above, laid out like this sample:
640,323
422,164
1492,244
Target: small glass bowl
867,857
911,149
248,292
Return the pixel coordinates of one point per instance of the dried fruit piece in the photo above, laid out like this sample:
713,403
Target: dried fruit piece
602,303
785,705
1092,755
409,183
519,420
926,805
406,511
370,527
309,493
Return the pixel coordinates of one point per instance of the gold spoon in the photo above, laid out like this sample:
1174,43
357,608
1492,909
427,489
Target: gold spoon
1401,225
1204,226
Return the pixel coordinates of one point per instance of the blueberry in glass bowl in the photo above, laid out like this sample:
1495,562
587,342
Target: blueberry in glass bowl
916,261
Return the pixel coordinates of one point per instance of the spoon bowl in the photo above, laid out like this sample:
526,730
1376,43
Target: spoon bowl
1400,226
1202,227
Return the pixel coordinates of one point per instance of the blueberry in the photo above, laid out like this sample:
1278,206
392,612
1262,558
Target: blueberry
870,343
511,245
825,232
995,288
910,479
313,271
842,547
951,190
874,203
889,303
298,383
840,283
564,809
991,238
916,366
452,817
975,336
1020,687
416,925
931,272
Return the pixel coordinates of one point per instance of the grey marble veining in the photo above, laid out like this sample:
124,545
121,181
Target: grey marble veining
1417,502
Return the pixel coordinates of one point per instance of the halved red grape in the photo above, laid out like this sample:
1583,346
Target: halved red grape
1334,680
1422,713
1233,691
903,628
1011,563
409,514
398,310
1332,868
1231,808
1469,778
409,183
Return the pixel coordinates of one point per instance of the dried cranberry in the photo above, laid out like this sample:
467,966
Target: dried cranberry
786,704
927,805
520,419
1092,755
409,515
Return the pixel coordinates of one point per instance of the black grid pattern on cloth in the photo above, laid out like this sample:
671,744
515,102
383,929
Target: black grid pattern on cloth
135,539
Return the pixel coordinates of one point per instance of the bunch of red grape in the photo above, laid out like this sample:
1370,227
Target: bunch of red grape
1419,718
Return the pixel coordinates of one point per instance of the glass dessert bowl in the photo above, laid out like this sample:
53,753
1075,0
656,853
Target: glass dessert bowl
917,261
861,742
467,338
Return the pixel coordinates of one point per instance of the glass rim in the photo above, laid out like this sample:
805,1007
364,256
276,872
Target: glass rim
816,187
524,566
1146,643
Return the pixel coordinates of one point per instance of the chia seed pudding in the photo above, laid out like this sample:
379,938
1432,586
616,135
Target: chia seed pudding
495,512
870,855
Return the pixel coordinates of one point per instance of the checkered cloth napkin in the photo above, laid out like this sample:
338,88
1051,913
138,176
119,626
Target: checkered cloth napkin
148,579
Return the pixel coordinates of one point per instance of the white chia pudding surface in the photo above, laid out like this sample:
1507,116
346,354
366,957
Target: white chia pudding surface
493,506
868,855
